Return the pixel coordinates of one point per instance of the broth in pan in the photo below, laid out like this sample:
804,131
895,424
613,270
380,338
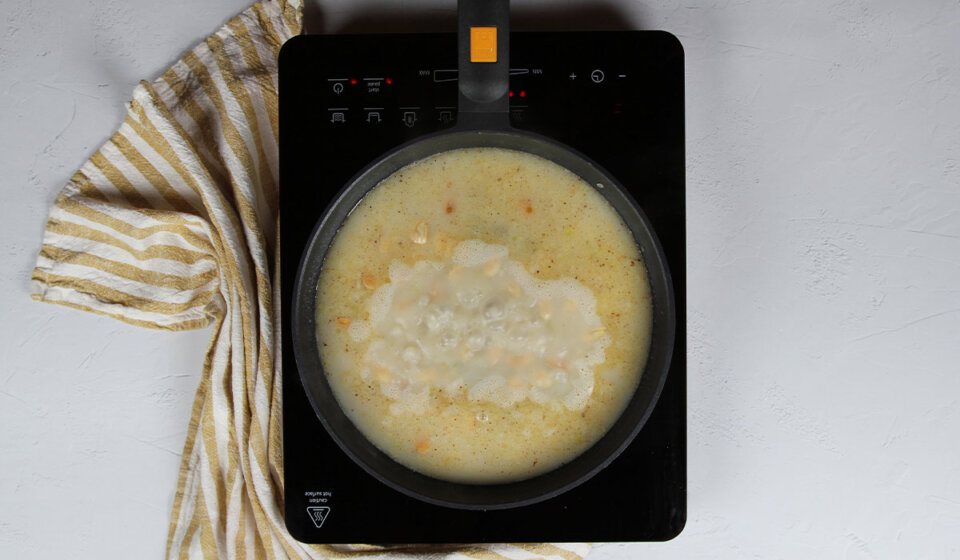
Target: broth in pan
483,316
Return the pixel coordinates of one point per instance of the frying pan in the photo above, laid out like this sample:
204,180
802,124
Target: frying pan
482,122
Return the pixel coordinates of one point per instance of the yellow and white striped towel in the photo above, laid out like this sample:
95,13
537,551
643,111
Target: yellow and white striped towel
172,224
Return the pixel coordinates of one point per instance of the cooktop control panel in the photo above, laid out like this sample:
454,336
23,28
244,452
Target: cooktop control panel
369,99
345,100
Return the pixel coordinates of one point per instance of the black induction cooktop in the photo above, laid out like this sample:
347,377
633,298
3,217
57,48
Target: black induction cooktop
615,96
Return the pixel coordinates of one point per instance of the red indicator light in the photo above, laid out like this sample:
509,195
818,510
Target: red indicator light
523,93
353,81
511,93
389,80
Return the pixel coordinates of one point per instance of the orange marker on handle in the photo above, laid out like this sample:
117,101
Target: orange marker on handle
483,44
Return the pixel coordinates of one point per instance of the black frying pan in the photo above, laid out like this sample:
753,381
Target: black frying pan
482,121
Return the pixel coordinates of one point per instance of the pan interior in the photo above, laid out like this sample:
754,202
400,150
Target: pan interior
340,413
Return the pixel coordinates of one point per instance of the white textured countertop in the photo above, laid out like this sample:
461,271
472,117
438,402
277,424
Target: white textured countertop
823,146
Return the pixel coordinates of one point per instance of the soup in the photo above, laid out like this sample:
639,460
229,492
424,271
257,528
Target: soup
483,316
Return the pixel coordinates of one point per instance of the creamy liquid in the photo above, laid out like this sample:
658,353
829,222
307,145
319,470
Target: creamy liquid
483,316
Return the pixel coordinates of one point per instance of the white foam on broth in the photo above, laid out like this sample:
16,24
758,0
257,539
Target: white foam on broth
481,325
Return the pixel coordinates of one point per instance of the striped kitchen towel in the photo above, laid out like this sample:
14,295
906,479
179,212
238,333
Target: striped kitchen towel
172,224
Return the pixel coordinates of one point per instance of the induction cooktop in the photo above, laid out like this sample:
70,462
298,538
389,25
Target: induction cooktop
617,97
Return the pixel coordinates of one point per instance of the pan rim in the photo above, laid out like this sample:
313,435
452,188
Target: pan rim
455,494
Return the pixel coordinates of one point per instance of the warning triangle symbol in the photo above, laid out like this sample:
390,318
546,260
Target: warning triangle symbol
318,514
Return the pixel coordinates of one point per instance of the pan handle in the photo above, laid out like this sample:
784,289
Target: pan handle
483,43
